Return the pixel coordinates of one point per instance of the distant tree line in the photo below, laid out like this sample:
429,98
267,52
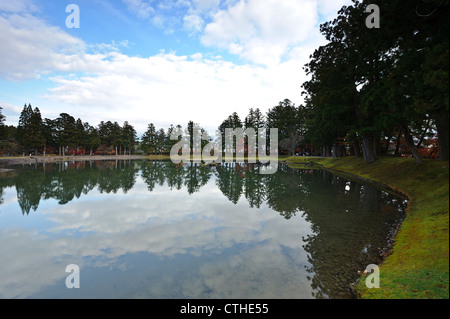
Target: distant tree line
66,135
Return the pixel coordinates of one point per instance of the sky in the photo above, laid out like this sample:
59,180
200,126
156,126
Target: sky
154,61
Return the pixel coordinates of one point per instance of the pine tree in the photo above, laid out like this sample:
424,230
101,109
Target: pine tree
24,122
129,137
2,125
33,137
148,140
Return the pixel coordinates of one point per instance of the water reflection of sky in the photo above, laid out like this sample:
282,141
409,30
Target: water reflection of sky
160,244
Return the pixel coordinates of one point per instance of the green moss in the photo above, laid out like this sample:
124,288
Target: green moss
418,265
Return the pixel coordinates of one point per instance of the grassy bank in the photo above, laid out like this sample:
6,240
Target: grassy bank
418,264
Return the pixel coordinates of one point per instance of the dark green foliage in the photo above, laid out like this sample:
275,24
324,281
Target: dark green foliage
368,85
2,125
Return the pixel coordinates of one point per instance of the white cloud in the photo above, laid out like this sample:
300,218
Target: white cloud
17,6
193,23
205,5
30,46
262,31
142,8
170,89
275,37
328,9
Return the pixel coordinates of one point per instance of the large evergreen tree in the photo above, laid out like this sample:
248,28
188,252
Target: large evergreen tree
148,140
129,137
2,125
66,132
33,137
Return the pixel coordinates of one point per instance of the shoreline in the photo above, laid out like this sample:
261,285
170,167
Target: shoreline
6,161
416,266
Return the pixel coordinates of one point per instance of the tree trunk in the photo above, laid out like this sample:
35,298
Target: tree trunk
368,154
326,151
422,137
376,145
412,145
342,151
388,141
356,149
442,130
399,137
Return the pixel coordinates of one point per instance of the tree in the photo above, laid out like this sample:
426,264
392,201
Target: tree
148,140
116,137
24,122
30,128
66,132
170,143
2,125
387,77
340,69
81,135
160,141
292,142
195,130
231,122
49,131
286,118
93,140
33,136
129,137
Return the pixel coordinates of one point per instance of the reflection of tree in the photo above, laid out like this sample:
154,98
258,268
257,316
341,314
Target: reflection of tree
28,195
65,181
350,224
286,191
151,173
6,180
174,175
349,221
255,187
196,176
230,180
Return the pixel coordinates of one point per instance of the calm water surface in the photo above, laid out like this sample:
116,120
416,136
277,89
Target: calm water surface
144,229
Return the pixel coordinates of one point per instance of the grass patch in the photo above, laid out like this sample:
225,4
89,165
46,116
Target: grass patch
418,265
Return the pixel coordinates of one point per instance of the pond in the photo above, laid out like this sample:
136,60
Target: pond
153,229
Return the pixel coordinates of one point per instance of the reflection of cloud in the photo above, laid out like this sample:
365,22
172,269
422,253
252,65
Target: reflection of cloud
262,272
31,262
97,231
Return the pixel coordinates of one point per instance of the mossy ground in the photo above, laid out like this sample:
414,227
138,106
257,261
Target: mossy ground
418,265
